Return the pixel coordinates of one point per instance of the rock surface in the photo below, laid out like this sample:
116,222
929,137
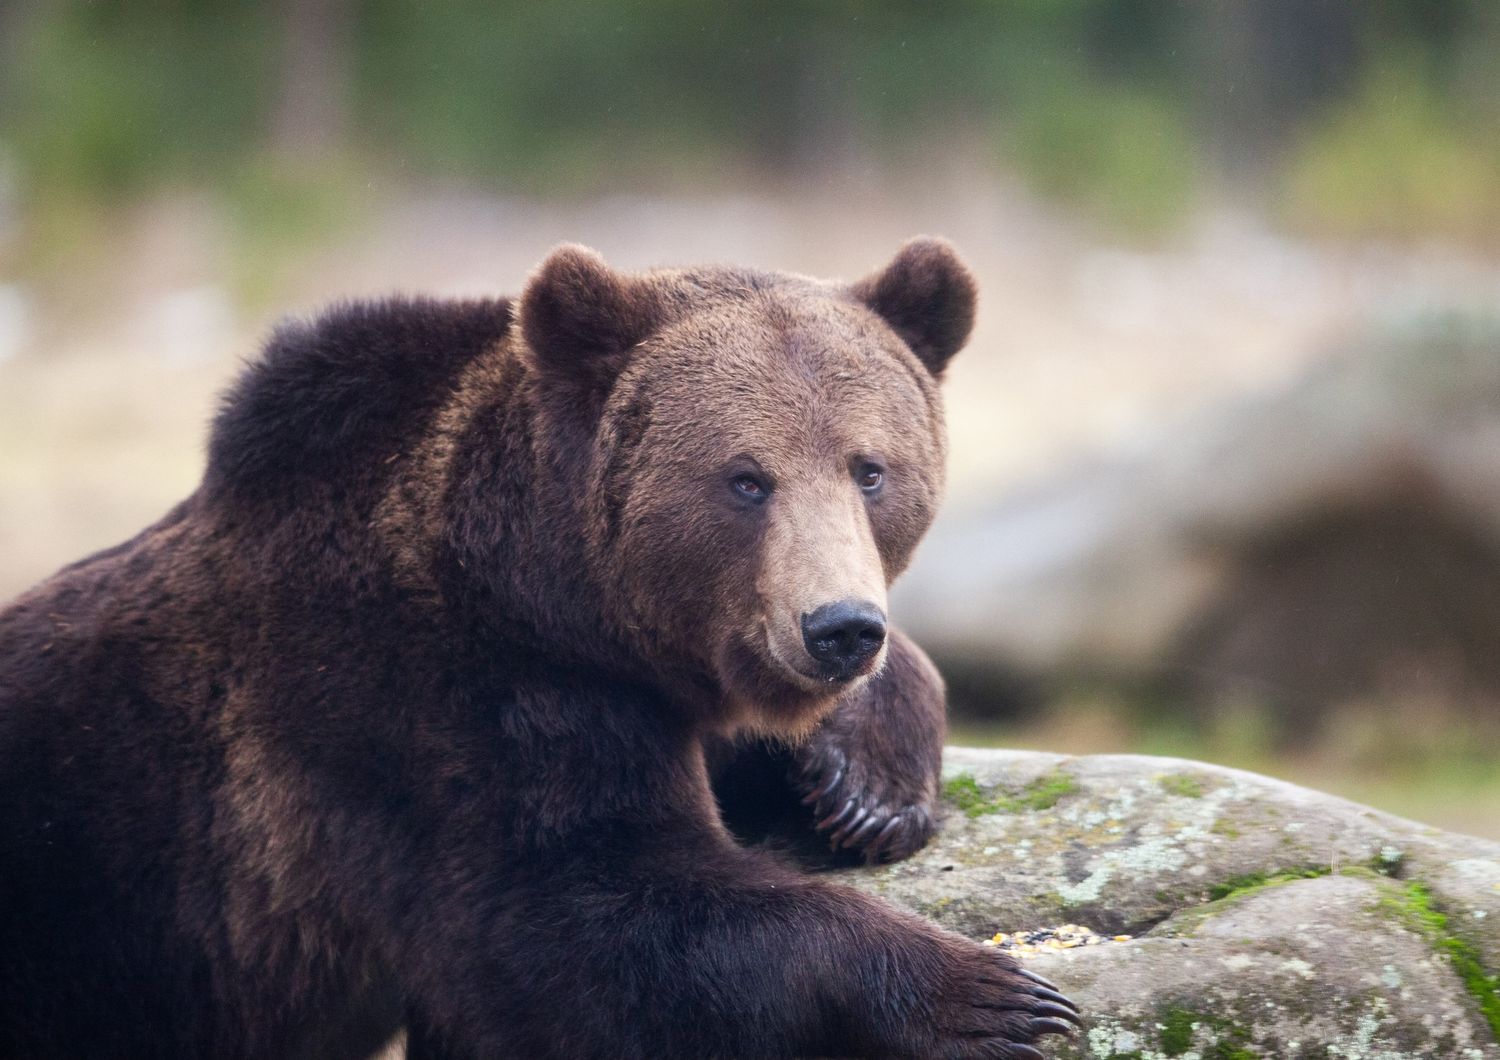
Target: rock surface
1105,566
1266,920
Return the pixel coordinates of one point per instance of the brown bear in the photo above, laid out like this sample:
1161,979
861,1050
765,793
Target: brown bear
407,715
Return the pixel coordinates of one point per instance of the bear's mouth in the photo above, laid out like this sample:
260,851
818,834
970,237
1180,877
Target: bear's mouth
790,661
776,698
778,657
751,668
783,691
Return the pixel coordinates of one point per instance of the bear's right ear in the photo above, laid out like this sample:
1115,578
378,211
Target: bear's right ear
581,318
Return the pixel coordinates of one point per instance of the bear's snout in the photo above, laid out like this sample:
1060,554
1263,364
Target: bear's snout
843,636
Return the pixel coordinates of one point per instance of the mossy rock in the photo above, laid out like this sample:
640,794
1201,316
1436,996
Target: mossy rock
1266,920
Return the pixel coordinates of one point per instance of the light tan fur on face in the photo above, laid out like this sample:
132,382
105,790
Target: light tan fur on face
803,385
819,549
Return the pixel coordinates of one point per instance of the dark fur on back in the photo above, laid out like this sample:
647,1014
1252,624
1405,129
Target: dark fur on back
360,736
333,396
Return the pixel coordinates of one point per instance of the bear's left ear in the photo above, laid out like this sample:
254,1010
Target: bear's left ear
927,295
581,318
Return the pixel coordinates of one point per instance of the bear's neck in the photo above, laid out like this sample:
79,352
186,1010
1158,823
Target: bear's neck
397,458
487,524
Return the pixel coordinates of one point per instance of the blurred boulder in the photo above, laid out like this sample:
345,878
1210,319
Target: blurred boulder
1335,539
1394,600
1263,919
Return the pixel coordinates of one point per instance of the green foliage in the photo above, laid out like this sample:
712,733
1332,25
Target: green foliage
1125,156
1103,104
1399,158
278,211
1043,793
108,99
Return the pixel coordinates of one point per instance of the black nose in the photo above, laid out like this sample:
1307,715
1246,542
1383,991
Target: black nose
841,636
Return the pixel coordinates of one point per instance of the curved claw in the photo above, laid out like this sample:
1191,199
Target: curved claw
1053,995
876,846
870,827
825,787
819,763
852,823
833,797
837,818
1017,1051
1047,1010
1029,974
1050,1026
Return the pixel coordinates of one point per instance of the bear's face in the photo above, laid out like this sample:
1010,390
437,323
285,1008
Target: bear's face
766,451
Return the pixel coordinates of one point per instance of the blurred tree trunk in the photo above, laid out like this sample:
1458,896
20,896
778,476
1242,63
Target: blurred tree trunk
312,108
14,18
1263,64
829,133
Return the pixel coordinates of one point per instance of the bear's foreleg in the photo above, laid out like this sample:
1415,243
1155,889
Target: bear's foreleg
705,950
871,770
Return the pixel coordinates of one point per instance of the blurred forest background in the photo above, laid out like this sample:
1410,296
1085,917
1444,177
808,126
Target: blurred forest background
1226,448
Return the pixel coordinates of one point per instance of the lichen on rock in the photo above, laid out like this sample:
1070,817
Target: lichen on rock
1267,920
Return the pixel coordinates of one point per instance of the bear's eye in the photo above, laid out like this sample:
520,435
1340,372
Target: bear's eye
750,487
870,478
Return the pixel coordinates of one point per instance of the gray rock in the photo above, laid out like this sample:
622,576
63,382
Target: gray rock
1105,565
1267,920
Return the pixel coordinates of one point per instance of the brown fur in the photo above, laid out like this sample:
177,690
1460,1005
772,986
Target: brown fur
403,715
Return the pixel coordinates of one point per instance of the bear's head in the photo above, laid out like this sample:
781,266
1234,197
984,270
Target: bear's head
762,452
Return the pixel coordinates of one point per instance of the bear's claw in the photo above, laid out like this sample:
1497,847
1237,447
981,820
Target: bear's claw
1048,1012
1043,1026
840,837
855,818
1052,995
815,797
871,825
1039,980
833,820
999,1009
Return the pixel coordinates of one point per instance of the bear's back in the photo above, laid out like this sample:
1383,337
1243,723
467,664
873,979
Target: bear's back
353,383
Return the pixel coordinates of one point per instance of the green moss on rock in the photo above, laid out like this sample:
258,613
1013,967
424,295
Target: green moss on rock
1183,785
965,792
1237,886
1179,1026
1225,827
1415,905
1177,1032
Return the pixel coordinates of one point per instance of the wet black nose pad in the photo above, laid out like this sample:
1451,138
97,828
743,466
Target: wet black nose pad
844,634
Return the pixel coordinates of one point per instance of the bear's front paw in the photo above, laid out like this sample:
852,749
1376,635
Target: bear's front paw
992,1007
884,817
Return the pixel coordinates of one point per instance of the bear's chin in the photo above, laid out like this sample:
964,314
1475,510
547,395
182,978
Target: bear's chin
771,699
